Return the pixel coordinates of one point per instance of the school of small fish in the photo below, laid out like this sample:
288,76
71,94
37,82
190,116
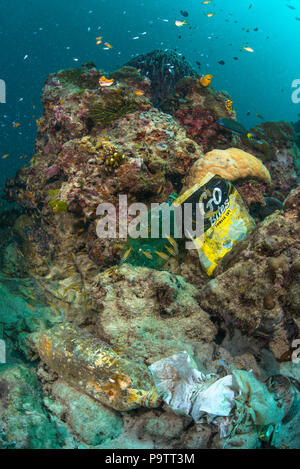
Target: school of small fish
207,8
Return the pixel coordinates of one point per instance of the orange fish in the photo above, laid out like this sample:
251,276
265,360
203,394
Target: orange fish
16,124
103,82
206,80
139,92
107,44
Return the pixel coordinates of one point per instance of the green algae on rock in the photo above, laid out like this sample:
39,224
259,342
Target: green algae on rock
24,423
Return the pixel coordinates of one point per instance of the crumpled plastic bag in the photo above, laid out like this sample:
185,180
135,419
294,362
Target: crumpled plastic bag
239,395
190,392
254,397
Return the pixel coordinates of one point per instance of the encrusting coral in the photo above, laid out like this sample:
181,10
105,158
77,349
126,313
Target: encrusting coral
151,133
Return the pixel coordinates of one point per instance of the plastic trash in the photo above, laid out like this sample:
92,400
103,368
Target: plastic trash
226,218
237,403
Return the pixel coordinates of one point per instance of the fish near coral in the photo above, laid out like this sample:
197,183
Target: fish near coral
228,104
206,80
105,82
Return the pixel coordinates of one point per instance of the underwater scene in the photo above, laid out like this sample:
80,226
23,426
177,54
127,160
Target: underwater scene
150,227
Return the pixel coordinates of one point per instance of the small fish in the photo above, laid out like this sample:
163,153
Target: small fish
184,13
16,124
260,116
172,242
180,23
30,307
228,104
209,15
205,80
221,62
162,255
139,92
147,254
5,156
107,44
206,2
38,122
30,296
104,82
170,250
248,49
126,253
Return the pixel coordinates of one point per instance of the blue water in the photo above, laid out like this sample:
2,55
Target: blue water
38,38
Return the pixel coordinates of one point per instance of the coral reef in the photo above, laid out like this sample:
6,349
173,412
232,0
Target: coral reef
64,294
164,69
232,164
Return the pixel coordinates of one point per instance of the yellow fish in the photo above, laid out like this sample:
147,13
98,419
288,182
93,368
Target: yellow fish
172,242
126,254
162,255
107,44
5,156
210,15
228,104
170,250
104,82
139,92
147,254
248,49
206,80
206,2
16,124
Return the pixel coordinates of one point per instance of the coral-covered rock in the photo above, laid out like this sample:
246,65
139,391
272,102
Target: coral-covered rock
24,423
252,285
150,314
90,421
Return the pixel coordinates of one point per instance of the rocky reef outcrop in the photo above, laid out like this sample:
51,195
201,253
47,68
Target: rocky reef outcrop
139,137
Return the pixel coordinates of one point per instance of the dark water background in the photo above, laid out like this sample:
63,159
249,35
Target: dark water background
52,34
